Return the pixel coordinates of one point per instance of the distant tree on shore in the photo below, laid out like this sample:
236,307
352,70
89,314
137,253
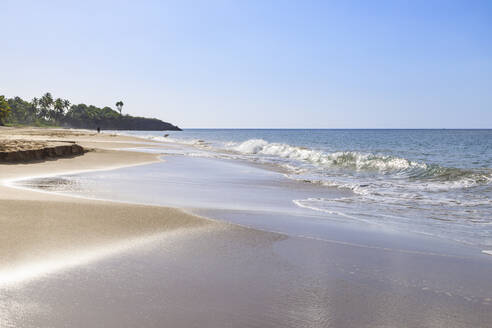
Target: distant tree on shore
59,107
119,106
34,107
66,104
46,102
4,109
45,111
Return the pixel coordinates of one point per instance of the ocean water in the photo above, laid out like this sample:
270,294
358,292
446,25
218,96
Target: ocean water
432,181
429,182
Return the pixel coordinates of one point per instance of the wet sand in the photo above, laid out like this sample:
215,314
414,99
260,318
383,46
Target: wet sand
73,262
218,276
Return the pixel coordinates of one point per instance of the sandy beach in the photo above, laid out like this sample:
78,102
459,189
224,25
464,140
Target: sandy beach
75,262
246,164
38,225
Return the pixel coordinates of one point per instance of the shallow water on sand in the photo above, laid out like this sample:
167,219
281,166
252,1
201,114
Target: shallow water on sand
433,182
245,194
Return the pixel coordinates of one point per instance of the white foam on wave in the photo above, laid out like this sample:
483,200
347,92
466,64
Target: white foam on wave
325,166
352,159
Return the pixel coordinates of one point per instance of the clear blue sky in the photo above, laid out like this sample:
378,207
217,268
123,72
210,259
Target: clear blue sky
319,64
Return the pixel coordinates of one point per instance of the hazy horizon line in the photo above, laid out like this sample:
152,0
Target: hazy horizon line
250,128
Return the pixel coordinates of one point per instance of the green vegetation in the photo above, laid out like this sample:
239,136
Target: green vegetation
4,109
49,112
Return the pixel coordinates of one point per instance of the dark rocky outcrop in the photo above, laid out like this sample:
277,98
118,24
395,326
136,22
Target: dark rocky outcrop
51,150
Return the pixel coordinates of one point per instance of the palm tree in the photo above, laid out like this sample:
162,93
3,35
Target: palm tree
59,106
66,104
46,101
34,108
119,106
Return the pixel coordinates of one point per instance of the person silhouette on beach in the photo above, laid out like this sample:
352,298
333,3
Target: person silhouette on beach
98,130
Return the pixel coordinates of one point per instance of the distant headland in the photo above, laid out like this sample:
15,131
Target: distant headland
49,112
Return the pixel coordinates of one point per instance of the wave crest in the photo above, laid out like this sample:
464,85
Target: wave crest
347,159
362,162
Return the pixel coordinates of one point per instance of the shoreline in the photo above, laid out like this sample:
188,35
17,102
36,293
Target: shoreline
81,260
147,158
22,206
156,158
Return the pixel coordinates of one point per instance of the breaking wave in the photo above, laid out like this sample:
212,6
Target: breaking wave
299,160
400,167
